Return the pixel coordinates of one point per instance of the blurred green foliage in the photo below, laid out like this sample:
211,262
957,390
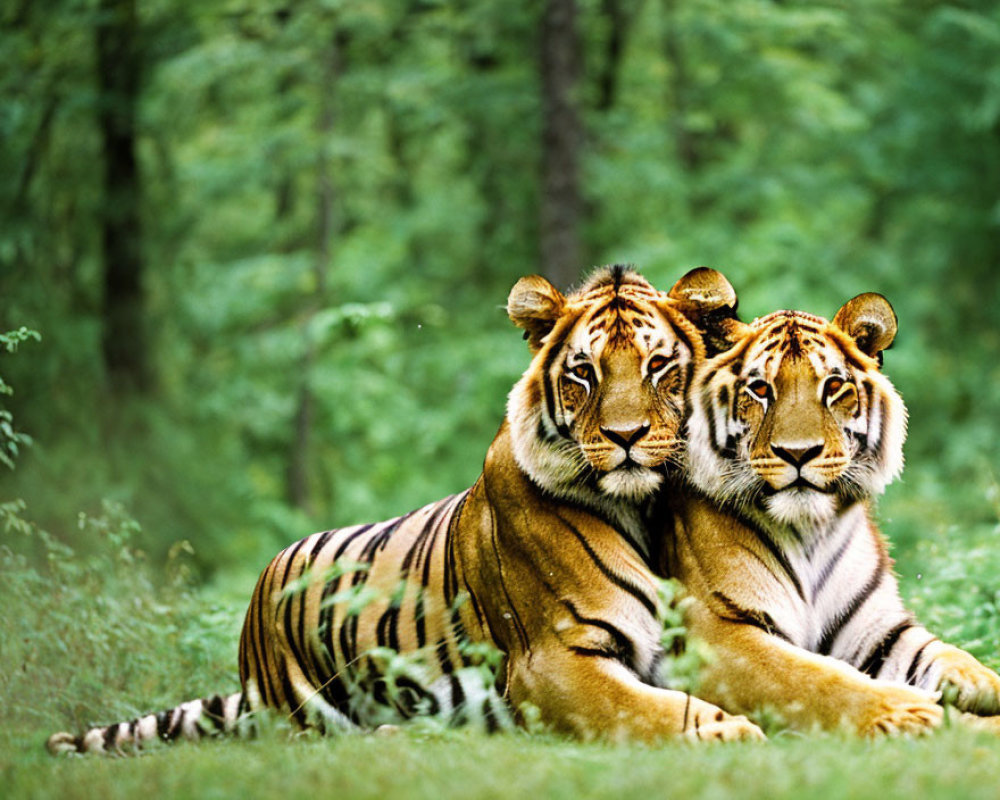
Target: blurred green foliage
811,151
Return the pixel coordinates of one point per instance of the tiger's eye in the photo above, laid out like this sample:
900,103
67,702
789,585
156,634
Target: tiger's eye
582,371
656,363
833,386
759,389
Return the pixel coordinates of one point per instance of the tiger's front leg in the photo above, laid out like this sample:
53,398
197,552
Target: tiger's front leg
593,697
964,681
754,669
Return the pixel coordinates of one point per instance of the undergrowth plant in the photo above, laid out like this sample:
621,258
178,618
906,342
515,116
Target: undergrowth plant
96,637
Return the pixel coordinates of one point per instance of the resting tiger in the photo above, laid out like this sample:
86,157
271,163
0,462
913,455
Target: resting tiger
546,556
792,431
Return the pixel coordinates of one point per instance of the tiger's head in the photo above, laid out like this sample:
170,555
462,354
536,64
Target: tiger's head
795,419
598,414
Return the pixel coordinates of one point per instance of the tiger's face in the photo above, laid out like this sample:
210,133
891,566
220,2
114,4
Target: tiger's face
796,419
598,413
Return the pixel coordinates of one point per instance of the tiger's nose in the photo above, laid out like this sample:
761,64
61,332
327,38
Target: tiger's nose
797,456
626,437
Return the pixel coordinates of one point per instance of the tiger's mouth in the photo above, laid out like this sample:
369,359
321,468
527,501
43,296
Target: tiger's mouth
800,486
630,480
800,501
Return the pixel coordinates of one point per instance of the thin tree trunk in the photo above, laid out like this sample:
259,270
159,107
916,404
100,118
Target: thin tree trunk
560,203
619,18
685,141
118,66
298,469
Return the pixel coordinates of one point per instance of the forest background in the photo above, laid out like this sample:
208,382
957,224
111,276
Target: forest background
267,248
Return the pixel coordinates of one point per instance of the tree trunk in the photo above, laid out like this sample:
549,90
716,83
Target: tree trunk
118,66
619,15
685,141
298,467
560,203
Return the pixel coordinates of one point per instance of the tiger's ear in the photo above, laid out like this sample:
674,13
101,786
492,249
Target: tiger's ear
535,305
709,300
870,321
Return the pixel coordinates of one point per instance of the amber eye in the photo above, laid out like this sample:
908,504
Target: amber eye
583,371
656,363
759,388
833,385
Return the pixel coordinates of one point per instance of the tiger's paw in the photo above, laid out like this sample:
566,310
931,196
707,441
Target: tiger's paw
718,726
901,711
967,684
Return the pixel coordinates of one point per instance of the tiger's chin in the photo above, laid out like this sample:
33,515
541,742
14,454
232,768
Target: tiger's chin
630,483
800,505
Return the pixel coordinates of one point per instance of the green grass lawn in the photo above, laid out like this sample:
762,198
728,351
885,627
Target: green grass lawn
951,763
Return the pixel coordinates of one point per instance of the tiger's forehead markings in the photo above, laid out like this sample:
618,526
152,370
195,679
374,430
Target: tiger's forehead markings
795,334
626,310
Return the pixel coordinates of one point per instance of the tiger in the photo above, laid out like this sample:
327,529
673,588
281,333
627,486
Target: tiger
792,432
547,557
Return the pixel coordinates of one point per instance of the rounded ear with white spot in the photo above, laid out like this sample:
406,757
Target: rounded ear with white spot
870,321
709,300
535,305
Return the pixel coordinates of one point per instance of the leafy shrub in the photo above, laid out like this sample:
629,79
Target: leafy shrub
94,638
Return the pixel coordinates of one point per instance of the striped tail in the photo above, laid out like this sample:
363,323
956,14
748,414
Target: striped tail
195,719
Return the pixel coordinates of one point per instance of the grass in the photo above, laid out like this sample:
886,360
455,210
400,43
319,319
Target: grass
95,637
465,764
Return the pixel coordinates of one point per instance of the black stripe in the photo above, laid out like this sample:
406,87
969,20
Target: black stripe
163,724
441,651
346,650
418,619
550,401
110,733
216,711
713,432
295,707
829,566
313,644
460,636
831,632
428,560
377,541
683,336
624,649
519,628
911,672
876,660
331,587
386,634
450,576
594,652
747,616
647,602
492,725
457,693
263,652
542,433
881,443
777,553
295,640
335,693
416,548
